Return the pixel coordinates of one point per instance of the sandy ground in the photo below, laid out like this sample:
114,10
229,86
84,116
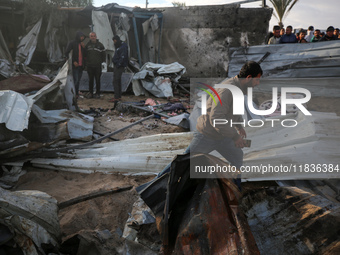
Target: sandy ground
111,211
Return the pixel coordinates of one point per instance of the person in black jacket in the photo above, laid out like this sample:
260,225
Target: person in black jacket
77,47
120,61
95,56
329,36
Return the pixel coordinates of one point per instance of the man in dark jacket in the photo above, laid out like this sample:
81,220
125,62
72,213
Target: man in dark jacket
77,47
120,61
329,36
95,56
288,37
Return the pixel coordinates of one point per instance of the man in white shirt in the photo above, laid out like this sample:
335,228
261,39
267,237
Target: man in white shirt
310,34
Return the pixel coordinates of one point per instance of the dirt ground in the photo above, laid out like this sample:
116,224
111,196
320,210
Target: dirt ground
111,211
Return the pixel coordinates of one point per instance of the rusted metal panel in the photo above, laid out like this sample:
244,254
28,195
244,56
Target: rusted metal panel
200,216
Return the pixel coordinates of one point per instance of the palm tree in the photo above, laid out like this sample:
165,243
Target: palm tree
282,8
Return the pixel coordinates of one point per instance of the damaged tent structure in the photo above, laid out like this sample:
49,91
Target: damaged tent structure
43,48
193,216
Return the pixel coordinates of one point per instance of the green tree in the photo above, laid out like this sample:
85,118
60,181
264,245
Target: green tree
178,4
34,9
71,3
282,8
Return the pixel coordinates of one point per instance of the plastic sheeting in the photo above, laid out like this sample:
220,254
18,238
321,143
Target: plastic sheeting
159,86
52,37
27,45
149,28
102,27
165,69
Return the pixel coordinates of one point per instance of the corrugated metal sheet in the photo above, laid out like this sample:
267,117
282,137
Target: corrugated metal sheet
32,216
315,140
143,154
314,66
15,110
293,151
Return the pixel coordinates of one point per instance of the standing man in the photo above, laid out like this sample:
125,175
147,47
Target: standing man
337,32
302,37
224,138
310,34
288,37
329,36
95,56
276,35
120,61
317,36
77,47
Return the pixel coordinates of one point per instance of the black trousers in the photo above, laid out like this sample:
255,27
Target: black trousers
117,81
94,72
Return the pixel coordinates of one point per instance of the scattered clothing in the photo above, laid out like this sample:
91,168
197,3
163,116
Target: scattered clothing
176,107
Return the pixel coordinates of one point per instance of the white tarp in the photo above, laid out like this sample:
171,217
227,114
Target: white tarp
165,69
150,26
27,45
102,27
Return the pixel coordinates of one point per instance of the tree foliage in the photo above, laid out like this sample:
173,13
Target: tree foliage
282,8
178,4
35,9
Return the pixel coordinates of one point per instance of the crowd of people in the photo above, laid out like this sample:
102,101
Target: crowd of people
286,35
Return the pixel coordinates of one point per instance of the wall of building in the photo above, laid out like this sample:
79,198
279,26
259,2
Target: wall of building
199,37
